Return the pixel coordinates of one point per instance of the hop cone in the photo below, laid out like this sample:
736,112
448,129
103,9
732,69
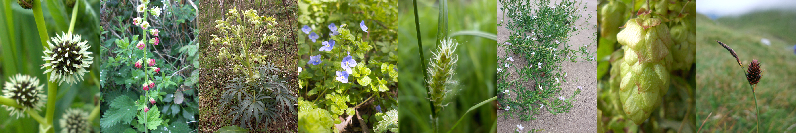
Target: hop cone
441,71
612,15
644,70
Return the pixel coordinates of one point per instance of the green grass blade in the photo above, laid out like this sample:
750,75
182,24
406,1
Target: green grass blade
471,109
475,33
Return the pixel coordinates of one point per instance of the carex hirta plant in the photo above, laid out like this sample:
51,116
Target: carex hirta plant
753,75
441,70
540,34
66,58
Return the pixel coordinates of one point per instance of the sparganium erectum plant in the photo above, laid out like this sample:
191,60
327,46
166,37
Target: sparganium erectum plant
25,91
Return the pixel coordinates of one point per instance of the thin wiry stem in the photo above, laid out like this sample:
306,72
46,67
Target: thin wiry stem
751,86
756,107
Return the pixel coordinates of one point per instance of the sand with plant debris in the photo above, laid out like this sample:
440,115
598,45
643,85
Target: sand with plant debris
583,116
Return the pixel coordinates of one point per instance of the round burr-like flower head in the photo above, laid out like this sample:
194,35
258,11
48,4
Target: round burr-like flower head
25,91
753,72
67,58
74,121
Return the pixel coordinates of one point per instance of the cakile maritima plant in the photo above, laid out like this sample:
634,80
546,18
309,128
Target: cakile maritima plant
540,33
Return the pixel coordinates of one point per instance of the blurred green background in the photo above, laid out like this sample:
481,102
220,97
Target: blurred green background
475,69
22,51
723,89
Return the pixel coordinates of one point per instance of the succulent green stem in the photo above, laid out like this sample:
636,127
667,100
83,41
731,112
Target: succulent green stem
52,88
9,102
74,17
35,115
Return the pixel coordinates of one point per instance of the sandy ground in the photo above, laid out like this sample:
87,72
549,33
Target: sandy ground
583,116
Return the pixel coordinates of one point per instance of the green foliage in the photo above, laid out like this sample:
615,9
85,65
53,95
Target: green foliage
176,58
258,99
363,54
313,119
232,129
388,121
539,34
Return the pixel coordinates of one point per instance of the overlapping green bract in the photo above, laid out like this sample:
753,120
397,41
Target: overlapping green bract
539,33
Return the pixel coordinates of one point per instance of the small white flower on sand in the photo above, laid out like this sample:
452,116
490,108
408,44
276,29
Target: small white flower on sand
526,37
561,98
506,91
540,87
507,43
580,88
542,106
556,80
519,127
534,16
565,74
540,64
499,69
507,108
510,59
557,42
507,65
533,53
534,38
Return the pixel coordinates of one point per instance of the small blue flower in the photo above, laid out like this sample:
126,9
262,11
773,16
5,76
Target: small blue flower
348,62
363,26
313,36
333,28
342,76
327,45
306,29
378,108
315,60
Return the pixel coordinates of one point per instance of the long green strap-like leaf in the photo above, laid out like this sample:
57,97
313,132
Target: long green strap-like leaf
471,109
475,33
7,38
442,22
420,50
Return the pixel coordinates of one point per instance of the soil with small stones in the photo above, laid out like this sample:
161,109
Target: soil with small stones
583,116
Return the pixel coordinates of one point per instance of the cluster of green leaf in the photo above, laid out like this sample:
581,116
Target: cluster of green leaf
539,34
365,34
646,54
262,98
176,56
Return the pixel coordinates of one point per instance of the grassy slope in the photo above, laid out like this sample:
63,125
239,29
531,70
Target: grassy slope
722,88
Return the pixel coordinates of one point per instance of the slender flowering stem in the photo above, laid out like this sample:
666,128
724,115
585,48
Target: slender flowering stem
756,108
420,50
751,86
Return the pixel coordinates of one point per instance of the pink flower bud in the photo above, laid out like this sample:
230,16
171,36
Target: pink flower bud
157,70
152,100
152,85
138,64
145,87
146,109
155,33
151,62
157,40
141,45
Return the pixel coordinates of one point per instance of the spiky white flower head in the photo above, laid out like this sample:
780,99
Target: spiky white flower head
74,121
67,58
25,91
141,7
155,11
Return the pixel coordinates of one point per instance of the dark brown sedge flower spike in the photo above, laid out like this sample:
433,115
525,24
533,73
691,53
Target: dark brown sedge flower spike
731,52
753,72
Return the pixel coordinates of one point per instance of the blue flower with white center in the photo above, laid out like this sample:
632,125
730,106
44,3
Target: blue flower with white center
363,26
333,28
306,29
313,36
327,45
315,60
348,61
342,76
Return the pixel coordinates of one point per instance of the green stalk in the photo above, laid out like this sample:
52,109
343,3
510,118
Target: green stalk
422,58
74,17
756,108
35,115
9,102
471,109
39,17
94,113
52,88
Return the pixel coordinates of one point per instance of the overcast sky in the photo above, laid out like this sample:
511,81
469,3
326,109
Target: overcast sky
739,7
